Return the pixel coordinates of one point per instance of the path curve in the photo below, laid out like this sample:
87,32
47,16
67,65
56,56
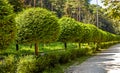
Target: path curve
106,62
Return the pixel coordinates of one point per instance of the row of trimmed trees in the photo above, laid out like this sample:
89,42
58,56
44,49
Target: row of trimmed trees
73,31
38,25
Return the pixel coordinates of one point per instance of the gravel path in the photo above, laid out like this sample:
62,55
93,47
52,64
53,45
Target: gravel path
106,62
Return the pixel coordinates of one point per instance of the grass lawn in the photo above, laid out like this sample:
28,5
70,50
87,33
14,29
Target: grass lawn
26,49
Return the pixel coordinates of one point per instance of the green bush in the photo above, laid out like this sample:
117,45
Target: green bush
64,57
33,64
42,63
7,25
26,64
53,59
73,54
71,30
8,65
37,25
87,33
95,33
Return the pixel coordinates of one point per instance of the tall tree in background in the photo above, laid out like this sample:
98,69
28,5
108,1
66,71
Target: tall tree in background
113,12
77,9
80,10
113,8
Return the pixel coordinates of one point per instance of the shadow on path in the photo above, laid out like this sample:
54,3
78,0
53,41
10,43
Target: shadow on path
106,62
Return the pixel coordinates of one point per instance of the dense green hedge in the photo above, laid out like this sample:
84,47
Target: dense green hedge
33,64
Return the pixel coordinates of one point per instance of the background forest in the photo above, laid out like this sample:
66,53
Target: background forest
81,10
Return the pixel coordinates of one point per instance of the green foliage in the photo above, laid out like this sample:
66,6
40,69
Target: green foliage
49,60
71,31
5,9
53,59
8,65
26,64
37,25
17,5
113,8
42,63
64,57
96,34
33,64
7,26
87,33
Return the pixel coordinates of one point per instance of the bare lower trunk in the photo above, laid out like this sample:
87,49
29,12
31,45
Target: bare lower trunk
79,45
65,44
36,49
34,3
17,46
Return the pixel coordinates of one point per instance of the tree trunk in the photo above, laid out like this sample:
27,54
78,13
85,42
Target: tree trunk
34,3
30,3
17,46
79,45
36,49
65,44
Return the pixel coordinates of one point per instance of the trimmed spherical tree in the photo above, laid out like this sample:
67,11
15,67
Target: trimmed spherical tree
96,37
7,26
87,33
71,30
37,25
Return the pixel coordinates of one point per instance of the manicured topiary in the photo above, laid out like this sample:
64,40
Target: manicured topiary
37,25
87,33
71,30
7,26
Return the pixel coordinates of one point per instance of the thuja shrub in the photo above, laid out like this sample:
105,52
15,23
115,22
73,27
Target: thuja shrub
87,33
37,25
71,30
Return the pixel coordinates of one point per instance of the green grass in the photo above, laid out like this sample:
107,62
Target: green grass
25,49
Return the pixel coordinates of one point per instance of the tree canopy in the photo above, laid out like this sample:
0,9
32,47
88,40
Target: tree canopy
7,26
37,25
